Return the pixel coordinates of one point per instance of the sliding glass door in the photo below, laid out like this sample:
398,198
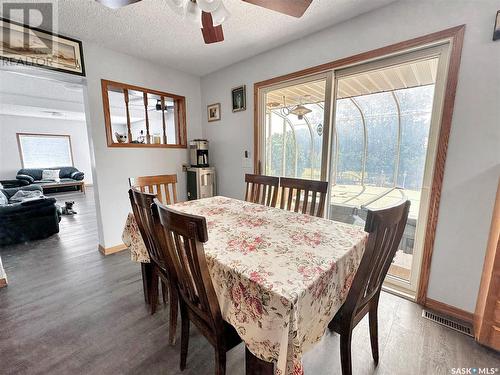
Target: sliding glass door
384,137
371,131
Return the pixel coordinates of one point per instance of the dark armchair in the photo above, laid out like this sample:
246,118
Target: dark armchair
28,220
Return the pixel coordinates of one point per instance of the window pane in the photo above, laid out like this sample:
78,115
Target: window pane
416,108
293,143
381,118
137,116
171,123
274,144
45,151
350,143
118,114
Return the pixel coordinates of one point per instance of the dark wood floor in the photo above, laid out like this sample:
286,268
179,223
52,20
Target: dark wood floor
70,310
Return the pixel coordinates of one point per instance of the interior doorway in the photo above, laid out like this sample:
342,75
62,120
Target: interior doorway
45,156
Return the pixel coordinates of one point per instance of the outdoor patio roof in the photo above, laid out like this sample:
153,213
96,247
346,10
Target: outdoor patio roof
418,73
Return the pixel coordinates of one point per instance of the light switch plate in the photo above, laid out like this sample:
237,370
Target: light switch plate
246,162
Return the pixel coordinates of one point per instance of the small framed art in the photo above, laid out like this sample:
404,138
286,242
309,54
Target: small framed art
239,98
213,112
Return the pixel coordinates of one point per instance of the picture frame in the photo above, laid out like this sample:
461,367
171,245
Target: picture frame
44,50
213,112
239,98
496,30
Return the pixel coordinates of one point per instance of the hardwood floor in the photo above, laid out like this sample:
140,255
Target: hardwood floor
70,310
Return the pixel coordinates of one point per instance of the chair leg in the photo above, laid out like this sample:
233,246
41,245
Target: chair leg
184,337
164,291
220,361
153,290
374,330
146,278
174,309
345,353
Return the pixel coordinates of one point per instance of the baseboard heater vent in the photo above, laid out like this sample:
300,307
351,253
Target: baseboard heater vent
448,322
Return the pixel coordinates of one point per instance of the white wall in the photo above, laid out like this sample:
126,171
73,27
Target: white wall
113,166
472,166
10,159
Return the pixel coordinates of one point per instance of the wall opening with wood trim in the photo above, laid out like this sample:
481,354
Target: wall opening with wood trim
139,117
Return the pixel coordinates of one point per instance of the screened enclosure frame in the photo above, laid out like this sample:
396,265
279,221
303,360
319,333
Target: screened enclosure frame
364,158
287,123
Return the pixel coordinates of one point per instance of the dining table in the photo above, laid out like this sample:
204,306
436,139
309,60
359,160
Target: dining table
280,276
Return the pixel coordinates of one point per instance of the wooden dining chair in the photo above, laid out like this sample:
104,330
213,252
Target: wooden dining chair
164,186
262,189
305,196
160,263
385,228
183,235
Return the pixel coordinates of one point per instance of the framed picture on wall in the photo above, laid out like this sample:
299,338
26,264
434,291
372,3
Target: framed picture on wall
213,112
239,98
496,31
31,46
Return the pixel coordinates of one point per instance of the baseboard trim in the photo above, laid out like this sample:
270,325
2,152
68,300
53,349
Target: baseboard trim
449,310
111,250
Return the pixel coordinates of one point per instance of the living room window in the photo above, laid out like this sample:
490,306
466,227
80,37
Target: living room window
45,150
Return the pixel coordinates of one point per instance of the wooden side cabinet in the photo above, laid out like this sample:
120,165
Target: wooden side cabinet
487,315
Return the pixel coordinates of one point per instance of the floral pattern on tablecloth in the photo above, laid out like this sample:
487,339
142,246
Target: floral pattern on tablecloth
131,237
279,276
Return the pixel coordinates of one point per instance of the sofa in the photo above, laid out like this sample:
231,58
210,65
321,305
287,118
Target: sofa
28,176
28,220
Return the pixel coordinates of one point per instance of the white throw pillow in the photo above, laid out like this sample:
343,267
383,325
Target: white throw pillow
51,175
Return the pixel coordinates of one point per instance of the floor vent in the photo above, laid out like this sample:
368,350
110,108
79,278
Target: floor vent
448,322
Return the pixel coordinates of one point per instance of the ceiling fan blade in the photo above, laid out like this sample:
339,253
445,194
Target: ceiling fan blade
295,8
211,33
115,4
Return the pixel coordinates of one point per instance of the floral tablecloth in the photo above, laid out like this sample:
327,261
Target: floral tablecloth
279,276
132,238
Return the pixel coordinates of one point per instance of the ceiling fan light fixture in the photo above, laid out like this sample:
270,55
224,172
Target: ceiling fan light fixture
208,5
192,12
220,15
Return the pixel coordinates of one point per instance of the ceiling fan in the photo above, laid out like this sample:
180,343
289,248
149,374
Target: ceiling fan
210,14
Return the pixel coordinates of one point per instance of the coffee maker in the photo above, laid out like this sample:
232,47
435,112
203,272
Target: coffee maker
200,177
198,153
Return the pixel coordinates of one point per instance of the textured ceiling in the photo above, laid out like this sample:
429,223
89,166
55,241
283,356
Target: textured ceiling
150,29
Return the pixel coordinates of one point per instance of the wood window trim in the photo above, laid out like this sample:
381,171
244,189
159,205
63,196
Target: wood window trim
19,147
455,35
179,116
